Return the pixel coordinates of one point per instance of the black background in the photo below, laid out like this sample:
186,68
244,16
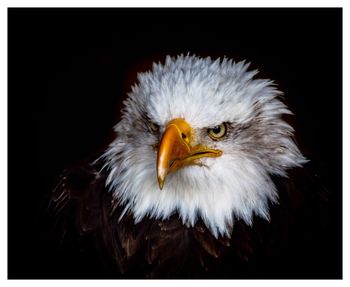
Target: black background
70,69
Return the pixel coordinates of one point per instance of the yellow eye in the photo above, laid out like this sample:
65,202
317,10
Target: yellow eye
217,132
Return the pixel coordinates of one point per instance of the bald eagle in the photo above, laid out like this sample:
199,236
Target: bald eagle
201,180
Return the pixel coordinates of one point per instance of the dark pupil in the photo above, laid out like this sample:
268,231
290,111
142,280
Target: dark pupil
216,129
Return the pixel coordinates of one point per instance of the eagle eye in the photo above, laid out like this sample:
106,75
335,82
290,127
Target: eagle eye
217,132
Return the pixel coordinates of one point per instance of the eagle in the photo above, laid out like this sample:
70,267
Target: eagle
202,180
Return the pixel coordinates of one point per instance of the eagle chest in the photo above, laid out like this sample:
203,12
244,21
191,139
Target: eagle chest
168,247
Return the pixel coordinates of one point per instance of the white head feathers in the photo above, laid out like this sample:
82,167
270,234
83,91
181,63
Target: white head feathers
205,93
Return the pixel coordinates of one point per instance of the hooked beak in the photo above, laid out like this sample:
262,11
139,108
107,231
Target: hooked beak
176,150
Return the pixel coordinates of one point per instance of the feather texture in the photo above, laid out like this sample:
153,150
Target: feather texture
220,218
206,93
152,248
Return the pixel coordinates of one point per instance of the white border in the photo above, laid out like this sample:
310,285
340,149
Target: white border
174,3
177,3
3,141
346,142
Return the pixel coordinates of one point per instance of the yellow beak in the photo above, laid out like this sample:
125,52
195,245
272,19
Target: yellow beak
175,149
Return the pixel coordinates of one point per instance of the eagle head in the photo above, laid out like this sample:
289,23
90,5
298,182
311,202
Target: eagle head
200,138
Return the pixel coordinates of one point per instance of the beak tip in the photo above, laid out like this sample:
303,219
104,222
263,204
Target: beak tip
161,175
161,183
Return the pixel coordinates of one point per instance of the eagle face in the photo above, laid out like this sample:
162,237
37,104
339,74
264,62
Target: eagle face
200,138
